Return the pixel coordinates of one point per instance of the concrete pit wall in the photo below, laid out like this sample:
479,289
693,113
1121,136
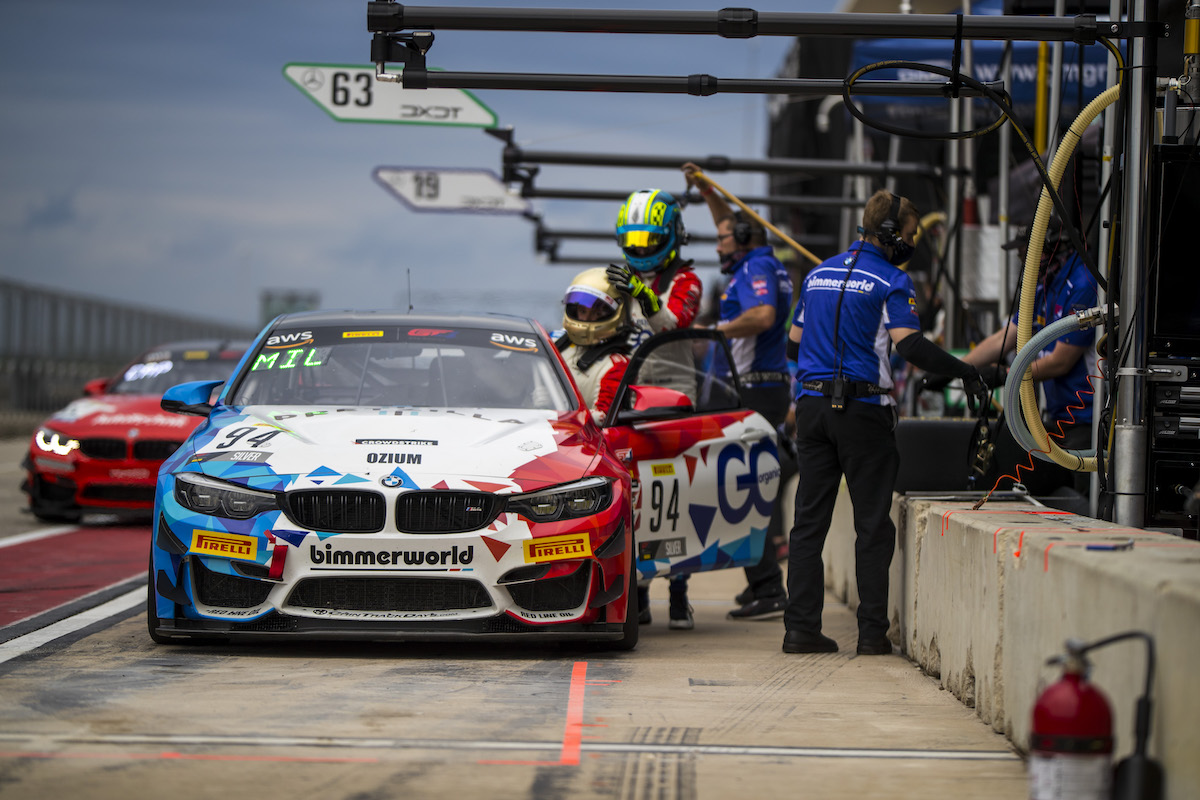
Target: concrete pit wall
980,599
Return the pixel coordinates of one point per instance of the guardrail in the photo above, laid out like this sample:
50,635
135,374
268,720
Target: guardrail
52,342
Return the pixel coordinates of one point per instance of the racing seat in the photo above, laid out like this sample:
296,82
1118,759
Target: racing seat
452,382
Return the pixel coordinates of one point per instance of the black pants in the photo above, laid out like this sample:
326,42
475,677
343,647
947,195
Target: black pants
765,577
859,442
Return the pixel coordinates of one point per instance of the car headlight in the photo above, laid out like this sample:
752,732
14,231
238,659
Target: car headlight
206,495
49,440
579,499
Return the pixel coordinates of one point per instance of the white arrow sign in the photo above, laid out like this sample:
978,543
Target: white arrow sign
350,93
425,189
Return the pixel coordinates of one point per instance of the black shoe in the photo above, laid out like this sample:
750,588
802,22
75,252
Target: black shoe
760,608
744,596
798,642
679,616
874,647
643,606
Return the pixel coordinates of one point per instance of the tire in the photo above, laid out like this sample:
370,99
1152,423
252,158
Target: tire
630,630
48,512
152,618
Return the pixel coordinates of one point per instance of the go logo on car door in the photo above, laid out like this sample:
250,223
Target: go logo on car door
747,480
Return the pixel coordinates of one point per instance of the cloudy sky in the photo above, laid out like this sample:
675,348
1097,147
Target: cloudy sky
154,153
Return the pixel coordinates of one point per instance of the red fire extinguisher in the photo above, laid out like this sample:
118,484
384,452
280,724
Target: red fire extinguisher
1071,743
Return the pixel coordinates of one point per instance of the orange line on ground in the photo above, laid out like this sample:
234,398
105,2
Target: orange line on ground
573,731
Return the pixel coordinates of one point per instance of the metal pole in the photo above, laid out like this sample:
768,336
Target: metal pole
1129,445
1099,399
694,198
697,84
730,23
514,155
1002,199
1056,67
954,229
819,240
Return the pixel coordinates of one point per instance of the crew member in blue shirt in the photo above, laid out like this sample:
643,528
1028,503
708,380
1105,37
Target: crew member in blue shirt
753,315
1065,286
852,309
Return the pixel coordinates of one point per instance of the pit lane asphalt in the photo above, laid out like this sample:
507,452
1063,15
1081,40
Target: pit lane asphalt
716,712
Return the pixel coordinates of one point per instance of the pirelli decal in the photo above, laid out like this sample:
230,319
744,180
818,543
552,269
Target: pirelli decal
659,470
557,548
227,545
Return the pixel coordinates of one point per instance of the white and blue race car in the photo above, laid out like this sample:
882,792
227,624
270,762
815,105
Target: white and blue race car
379,475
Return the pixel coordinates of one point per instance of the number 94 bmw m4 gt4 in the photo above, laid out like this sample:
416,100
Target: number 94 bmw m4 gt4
377,475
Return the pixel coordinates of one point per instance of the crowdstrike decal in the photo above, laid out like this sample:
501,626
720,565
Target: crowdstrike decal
398,442
454,557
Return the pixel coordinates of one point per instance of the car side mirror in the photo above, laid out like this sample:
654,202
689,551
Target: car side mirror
190,398
95,387
653,403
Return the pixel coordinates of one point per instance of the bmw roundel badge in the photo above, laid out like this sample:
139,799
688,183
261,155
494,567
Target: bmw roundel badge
391,481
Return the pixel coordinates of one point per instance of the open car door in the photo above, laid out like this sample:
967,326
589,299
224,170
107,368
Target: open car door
705,467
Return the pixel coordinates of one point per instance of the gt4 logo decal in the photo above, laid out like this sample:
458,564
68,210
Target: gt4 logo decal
557,548
227,545
661,549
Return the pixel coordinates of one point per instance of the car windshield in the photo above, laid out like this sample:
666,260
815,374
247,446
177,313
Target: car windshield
402,366
156,372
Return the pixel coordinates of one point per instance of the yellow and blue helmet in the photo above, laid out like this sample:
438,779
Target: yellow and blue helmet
650,229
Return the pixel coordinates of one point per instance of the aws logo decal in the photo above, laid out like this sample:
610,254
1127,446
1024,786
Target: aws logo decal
281,340
524,344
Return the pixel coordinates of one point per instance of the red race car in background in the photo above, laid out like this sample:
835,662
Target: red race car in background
101,453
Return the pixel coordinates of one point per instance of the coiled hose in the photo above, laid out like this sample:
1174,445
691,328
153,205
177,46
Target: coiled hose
1012,388
1024,378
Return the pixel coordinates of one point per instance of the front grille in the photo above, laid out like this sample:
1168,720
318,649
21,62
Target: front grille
506,624
389,594
446,511
552,594
154,449
336,511
119,493
102,448
269,623
227,591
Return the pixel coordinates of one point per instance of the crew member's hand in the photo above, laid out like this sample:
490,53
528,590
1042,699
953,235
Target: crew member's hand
689,174
623,279
618,275
934,383
976,390
994,375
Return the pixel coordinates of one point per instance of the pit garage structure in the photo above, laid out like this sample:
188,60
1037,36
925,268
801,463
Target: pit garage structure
1152,352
